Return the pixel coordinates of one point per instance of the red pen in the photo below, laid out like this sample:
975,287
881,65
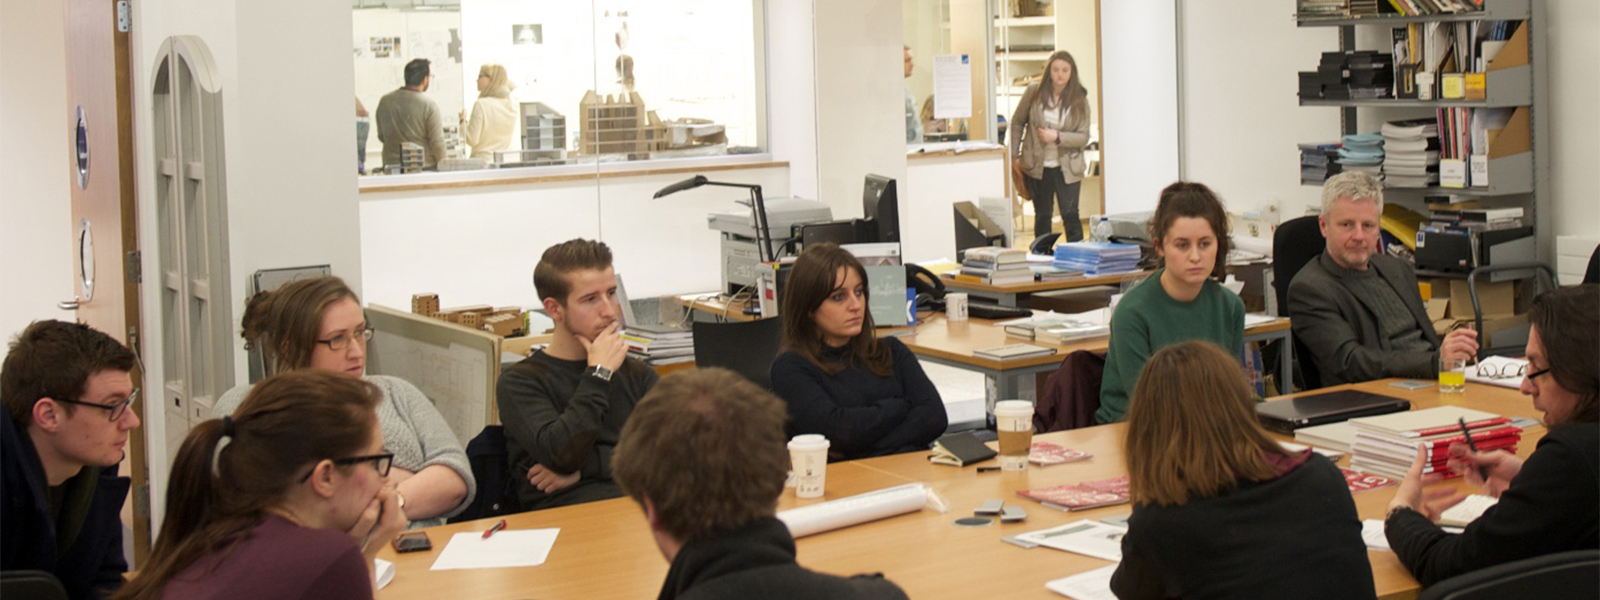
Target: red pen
497,527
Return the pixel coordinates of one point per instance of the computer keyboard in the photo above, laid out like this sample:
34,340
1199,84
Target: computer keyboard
984,310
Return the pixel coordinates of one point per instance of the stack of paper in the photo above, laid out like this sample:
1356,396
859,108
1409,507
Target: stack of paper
1362,152
995,266
659,344
1387,445
1317,161
1097,258
1411,153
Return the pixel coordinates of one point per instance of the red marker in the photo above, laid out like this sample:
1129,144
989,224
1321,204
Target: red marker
497,527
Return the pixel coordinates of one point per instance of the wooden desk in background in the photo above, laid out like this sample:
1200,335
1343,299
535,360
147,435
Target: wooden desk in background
1016,294
605,549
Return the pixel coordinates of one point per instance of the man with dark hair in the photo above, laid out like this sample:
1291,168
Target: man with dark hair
67,395
564,407
704,456
405,115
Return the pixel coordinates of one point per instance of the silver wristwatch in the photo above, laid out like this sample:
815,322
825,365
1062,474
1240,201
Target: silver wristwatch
602,373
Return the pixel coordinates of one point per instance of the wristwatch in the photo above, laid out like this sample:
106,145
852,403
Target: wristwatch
602,373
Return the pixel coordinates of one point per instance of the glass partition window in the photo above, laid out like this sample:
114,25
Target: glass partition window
528,83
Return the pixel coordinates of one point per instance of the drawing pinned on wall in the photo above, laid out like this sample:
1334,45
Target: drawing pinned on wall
524,34
385,47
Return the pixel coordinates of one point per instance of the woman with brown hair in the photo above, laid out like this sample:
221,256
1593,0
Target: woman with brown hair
867,395
1048,134
1549,502
1179,301
1218,504
291,499
318,324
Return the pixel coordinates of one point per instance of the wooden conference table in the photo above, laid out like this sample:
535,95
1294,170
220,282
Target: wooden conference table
605,549
939,340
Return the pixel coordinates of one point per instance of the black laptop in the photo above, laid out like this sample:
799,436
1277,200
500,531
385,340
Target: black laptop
1289,414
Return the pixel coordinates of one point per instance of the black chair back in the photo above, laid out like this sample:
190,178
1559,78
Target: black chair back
489,459
1296,242
31,585
747,348
1561,576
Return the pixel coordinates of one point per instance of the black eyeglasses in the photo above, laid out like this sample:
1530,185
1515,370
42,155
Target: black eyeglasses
116,410
381,462
1537,373
342,341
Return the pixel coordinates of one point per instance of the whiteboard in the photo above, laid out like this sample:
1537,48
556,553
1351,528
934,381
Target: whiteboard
455,367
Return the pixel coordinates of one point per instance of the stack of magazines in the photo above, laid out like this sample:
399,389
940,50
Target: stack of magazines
1097,258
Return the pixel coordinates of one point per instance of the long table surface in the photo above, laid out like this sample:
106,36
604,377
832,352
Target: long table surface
605,549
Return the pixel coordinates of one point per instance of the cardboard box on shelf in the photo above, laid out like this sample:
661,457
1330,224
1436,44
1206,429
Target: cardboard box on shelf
1495,298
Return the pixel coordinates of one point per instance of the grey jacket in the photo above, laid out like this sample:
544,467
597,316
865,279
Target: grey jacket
1025,144
1341,330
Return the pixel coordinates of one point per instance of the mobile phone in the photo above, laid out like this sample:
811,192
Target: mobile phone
412,541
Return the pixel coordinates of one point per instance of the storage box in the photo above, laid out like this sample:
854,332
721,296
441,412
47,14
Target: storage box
1494,298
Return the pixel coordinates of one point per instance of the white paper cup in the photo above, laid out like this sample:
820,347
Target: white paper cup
1014,423
808,457
955,306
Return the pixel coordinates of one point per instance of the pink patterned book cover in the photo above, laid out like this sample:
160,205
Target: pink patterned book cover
1046,453
1089,494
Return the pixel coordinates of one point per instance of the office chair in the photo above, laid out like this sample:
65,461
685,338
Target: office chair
1592,274
1517,344
1044,244
1296,242
490,463
746,348
1551,577
30,585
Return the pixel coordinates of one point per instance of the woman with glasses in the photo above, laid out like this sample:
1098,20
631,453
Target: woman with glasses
1548,502
288,499
318,324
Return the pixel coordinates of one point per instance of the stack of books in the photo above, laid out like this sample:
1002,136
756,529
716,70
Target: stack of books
1411,153
994,265
1444,218
659,344
1387,445
1097,258
1362,152
1317,162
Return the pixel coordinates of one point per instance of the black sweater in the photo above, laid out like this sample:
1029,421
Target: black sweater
1296,536
757,561
861,413
1552,505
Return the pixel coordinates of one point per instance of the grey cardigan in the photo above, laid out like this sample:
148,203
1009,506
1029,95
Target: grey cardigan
1341,330
1027,146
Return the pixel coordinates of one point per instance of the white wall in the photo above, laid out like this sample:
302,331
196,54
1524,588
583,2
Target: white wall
1573,50
35,202
479,245
1139,75
932,185
860,98
791,92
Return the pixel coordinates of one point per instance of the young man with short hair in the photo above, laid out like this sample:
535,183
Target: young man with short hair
67,419
1358,310
564,407
704,456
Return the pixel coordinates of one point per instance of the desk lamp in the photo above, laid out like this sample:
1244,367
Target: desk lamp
763,236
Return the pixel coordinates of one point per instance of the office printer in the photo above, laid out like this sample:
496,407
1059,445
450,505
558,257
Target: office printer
738,226
1130,228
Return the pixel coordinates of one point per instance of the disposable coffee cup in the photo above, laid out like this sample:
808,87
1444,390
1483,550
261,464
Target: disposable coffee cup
808,456
955,306
1014,423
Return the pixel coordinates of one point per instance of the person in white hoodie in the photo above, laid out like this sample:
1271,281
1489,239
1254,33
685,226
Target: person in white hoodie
493,124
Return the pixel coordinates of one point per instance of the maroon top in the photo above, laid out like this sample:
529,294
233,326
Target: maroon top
278,560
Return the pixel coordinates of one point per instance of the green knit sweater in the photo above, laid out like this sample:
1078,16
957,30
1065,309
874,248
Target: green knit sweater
1147,319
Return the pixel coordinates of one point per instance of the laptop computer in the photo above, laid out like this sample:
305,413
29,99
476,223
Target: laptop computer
1289,414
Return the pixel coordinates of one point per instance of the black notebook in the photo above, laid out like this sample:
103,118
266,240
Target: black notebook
1289,414
960,450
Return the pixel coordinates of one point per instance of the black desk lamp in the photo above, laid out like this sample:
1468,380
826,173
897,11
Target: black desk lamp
763,236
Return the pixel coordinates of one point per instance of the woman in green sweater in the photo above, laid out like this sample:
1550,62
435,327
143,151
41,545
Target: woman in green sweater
1181,301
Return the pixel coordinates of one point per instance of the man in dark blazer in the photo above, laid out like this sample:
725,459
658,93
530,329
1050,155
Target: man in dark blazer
1357,310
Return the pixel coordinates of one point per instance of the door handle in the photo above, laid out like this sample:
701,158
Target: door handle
69,304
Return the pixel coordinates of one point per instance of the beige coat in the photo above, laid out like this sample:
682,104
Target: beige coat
1026,145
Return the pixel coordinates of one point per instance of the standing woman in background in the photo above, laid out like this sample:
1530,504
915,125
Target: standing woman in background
318,324
1051,128
289,500
494,116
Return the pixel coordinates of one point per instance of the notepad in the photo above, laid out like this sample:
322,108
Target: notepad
1467,511
1089,585
506,548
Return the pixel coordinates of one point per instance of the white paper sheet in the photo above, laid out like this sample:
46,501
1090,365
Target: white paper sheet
506,548
1372,534
1088,585
1089,538
383,571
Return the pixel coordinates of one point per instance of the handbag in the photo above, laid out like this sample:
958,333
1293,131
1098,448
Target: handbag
1019,180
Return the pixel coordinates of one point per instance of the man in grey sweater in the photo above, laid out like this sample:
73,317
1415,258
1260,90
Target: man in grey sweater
406,115
1358,311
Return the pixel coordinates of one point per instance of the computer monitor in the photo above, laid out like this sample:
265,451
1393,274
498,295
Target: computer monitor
881,207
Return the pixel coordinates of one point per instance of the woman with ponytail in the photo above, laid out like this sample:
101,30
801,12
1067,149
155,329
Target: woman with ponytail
288,498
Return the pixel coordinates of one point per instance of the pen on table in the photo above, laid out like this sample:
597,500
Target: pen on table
497,527
988,469
1483,472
